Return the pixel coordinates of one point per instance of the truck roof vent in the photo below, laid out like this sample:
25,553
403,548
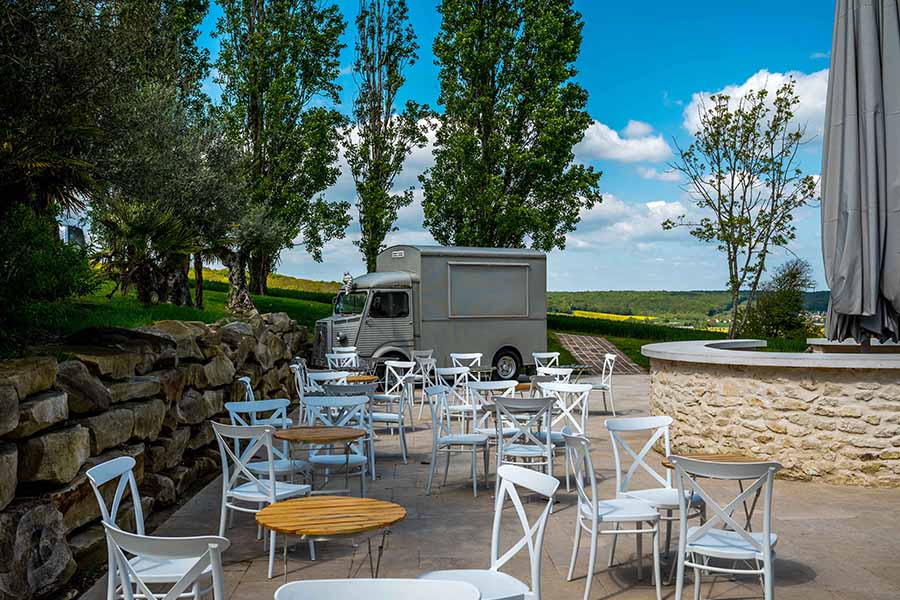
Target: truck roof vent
398,254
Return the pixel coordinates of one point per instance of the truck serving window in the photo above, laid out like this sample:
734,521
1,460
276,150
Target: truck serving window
389,305
350,304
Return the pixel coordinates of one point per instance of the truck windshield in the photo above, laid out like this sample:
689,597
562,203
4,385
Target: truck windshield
351,303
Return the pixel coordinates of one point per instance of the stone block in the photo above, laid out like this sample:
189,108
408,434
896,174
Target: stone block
155,351
54,457
218,372
29,375
160,487
39,412
168,451
183,477
201,435
37,559
88,547
9,408
184,335
195,407
9,464
194,375
263,351
136,388
148,418
172,383
109,429
86,393
108,363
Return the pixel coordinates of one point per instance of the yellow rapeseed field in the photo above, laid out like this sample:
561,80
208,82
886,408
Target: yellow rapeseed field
589,314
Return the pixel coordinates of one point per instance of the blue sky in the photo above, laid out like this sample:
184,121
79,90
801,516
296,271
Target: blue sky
645,66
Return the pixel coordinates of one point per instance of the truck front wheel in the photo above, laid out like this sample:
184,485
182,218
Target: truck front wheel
507,364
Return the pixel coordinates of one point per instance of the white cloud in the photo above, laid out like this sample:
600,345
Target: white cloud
615,221
669,175
811,89
637,129
602,142
818,55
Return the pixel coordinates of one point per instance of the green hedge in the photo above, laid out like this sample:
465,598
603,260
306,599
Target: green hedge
323,297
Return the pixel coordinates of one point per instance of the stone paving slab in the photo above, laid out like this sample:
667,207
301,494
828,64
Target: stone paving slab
589,349
835,543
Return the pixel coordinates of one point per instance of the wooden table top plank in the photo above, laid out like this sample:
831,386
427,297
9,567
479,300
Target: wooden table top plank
722,458
362,379
319,435
324,516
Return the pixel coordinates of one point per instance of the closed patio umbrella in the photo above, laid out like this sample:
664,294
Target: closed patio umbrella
861,172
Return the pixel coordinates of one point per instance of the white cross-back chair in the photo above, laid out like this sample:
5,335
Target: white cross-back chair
592,512
399,377
301,387
663,496
465,359
376,589
342,360
563,374
460,402
545,359
605,386
482,393
244,490
571,413
425,375
493,583
446,442
198,558
319,378
348,349
341,411
273,413
358,389
722,536
528,417
278,418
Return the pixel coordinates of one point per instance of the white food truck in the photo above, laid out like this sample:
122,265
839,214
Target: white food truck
447,299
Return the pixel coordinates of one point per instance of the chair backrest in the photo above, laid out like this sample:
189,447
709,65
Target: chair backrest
465,359
319,378
481,392
572,402
416,354
609,364
204,551
512,478
376,589
583,468
339,411
121,469
398,374
261,412
234,463
456,379
528,416
545,359
350,389
342,360
248,388
426,368
762,475
659,426
536,380
346,349
558,373
440,416
300,382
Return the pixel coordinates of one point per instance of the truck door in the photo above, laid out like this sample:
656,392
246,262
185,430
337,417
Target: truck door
388,322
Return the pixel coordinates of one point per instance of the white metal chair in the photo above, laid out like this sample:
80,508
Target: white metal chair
465,359
121,470
319,378
545,359
559,373
426,376
460,403
191,559
605,386
342,360
571,414
529,417
341,411
246,491
301,386
591,512
481,393
358,389
445,441
377,589
277,418
273,413
732,541
493,583
664,497
398,385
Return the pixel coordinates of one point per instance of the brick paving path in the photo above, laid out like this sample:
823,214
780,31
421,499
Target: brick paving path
589,349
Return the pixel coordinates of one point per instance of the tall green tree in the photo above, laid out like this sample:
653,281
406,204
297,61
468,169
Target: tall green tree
278,60
779,311
742,173
504,173
378,140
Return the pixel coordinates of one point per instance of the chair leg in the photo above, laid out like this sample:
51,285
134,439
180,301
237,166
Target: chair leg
696,583
612,400
447,467
271,553
612,547
575,546
312,550
223,518
679,574
640,550
657,575
668,530
372,457
195,590
362,483
592,560
474,474
566,460
487,463
768,580
431,470
403,442
111,574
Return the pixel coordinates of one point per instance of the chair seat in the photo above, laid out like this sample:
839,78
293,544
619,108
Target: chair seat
153,569
385,417
491,432
493,585
622,510
385,398
276,422
250,492
720,543
660,497
555,436
472,439
600,386
338,460
281,466
460,408
524,450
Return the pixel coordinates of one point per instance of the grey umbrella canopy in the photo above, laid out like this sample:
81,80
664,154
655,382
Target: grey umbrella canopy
861,172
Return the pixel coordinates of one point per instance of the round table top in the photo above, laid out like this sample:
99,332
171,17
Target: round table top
319,435
326,516
362,379
722,458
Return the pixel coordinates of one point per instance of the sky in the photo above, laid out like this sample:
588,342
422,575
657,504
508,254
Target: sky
646,66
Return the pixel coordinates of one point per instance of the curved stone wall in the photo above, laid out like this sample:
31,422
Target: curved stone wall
824,417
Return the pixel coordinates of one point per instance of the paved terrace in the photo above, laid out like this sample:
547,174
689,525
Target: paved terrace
835,542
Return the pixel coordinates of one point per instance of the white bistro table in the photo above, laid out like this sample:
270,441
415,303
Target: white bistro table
377,589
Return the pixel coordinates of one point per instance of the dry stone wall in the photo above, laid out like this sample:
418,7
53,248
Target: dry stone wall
148,393
835,425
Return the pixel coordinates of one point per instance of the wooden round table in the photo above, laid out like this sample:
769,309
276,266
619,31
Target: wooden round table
351,379
323,435
329,517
